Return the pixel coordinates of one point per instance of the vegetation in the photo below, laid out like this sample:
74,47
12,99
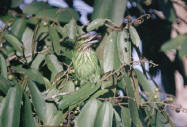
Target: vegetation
56,72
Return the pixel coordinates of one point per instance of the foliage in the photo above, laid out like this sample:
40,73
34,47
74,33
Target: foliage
55,73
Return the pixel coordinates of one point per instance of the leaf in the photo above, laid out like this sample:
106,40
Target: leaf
3,66
68,87
64,15
37,61
35,7
100,93
14,42
124,47
4,85
27,118
27,43
10,108
183,51
118,11
55,39
105,115
95,24
18,27
102,9
87,116
82,94
109,49
38,101
53,116
31,73
53,64
147,86
174,43
117,120
100,49
126,117
70,30
134,36
128,87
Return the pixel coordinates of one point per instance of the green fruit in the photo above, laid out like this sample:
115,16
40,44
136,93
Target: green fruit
10,77
86,64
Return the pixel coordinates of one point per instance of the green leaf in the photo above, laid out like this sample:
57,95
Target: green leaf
4,85
35,7
14,42
117,120
27,42
124,47
174,43
134,36
18,27
95,24
10,108
54,14
183,51
102,9
38,101
128,87
100,93
55,39
3,66
31,73
87,116
54,65
53,116
126,117
109,51
37,61
27,118
82,94
147,85
70,30
68,87
118,11
105,115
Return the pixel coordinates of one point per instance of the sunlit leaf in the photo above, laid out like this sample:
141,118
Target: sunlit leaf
14,42
134,36
55,39
83,93
87,116
27,43
125,116
174,43
118,11
18,27
10,108
124,47
53,64
102,9
105,115
109,51
38,101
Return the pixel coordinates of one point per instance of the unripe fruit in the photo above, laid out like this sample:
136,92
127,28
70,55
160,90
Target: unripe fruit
10,77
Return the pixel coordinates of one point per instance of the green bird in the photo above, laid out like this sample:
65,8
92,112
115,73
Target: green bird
85,61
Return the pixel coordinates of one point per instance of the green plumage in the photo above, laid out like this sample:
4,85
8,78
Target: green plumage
85,63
